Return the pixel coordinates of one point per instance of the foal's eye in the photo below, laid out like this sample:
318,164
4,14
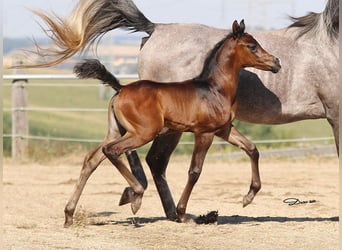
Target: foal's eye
252,47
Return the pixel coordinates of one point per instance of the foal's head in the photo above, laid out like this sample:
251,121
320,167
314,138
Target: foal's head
249,52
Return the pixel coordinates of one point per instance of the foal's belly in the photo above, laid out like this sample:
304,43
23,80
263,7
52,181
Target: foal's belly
199,124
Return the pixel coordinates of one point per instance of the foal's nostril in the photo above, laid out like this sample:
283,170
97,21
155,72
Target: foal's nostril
276,67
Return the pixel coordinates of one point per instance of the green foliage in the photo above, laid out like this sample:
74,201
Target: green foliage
301,129
257,132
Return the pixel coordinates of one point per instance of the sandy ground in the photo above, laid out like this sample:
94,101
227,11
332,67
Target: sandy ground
35,196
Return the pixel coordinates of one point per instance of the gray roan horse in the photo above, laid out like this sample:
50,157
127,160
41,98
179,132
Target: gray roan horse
305,88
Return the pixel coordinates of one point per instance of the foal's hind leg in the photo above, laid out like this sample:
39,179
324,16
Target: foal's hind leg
113,150
237,139
133,161
138,171
91,162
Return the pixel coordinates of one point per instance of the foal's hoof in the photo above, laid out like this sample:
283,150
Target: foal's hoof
184,219
136,203
68,222
247,199
129,196
69,215
126,196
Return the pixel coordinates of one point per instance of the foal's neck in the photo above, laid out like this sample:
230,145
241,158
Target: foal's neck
224,74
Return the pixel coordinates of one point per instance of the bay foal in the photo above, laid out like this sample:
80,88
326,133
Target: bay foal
205,106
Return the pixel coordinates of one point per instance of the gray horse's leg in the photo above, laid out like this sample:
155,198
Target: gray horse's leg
91,161
237,139
157,159
334,123
136,167
330,101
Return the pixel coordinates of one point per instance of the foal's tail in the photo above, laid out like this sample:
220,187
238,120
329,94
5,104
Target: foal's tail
90,20
92,68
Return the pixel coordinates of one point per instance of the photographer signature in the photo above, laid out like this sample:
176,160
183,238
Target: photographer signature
295,201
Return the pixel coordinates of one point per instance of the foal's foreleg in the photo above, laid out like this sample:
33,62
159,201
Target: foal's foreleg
202,144
91,162
237,139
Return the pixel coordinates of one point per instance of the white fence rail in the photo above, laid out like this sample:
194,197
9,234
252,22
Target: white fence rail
323,140
19,109
57,77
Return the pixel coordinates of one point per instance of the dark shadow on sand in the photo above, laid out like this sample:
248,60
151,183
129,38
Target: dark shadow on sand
131,221
102,214
237,219
221,220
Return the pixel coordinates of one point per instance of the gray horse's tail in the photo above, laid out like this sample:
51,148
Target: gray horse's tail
89,21
92,68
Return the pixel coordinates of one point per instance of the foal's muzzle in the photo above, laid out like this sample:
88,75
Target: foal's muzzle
276,67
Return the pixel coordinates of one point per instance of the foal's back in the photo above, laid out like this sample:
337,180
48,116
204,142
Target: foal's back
184,106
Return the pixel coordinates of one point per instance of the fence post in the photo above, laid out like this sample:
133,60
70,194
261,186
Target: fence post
20,127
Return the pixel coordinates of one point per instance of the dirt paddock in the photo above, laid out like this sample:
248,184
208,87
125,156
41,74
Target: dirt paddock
35,196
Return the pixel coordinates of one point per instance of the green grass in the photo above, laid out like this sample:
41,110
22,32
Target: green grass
300,129
93,125
306,129
84,125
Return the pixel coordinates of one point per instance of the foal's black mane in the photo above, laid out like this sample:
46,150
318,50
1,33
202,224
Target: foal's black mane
310,21
210,59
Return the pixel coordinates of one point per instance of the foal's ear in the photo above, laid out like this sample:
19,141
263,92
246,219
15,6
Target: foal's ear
242,27
236,29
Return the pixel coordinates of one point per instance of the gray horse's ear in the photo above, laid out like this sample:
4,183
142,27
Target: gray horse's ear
236,29
242,27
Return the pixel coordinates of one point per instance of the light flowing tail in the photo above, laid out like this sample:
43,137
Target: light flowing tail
92,68
90,20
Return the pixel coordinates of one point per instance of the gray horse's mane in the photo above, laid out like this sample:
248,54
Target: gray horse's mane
311,21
